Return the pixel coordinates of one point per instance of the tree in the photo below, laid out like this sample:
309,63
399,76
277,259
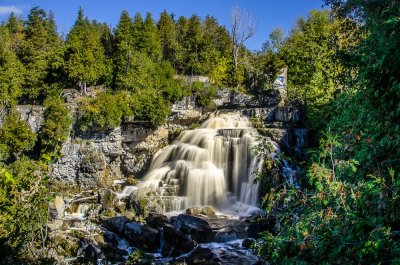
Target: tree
243,28
168,37
56,126
151,39
11,71
137,32
309,53
16,137
15,26
181,31
85,60
39,51
192,45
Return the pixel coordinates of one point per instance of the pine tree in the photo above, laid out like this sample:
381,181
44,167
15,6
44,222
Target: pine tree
38,52
181,31
132,69
11,71
167,33
85,61
151,39
16,28
137,32
192,45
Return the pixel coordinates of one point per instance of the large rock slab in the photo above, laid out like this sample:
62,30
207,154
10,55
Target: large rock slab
193,228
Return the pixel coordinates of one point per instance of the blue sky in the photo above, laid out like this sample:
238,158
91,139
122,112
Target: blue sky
268,14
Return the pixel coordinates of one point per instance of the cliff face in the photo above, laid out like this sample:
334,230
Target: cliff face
97,158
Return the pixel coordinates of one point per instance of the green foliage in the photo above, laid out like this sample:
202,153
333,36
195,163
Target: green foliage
23,212
204,93
104,111
85,60
56,126
16,137
11,71
41,53
338,218
149,105
310,54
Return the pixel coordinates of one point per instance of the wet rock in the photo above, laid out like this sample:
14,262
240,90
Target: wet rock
208,211
113,253
145,201
193,210
200,255
187,246
174,244
110,237
142,236
287,114
91,253
247,242
116,224
193,228
257,224
156,220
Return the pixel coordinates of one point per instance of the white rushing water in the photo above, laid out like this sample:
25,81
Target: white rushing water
211,165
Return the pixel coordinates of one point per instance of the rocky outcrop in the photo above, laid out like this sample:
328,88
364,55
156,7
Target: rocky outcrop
97,158
32,114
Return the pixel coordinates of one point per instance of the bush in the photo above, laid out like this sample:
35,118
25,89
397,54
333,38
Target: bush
149,105
204,93
57,123
16,137
341,216
103,112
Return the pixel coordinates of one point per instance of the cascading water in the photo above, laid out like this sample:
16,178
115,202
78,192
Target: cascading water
210,165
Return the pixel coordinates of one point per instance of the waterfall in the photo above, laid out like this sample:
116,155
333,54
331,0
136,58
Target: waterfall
211,165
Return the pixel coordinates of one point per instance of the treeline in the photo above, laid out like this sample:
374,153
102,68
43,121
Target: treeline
36,62
343,64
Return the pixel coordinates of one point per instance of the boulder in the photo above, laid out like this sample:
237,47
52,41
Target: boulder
142,236
206,210
174,244
156,220
116,224
193,210
200,255
112,253
110,237
247,242
257,224
193,228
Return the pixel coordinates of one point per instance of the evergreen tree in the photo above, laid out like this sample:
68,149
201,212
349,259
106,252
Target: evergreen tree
132,69
38,53
11,71
151,39
168,37
85,60
137,32
181,54
16,28
192,45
